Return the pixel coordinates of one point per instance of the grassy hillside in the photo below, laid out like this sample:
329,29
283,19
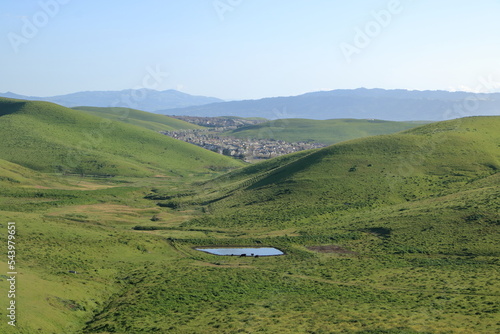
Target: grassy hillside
11,173
389,234
323,131
144,119
429,161
50,138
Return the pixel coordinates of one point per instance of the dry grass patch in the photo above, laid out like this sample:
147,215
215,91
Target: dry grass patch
109,209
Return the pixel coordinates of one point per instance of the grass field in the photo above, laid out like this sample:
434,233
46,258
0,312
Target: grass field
388,234
323,131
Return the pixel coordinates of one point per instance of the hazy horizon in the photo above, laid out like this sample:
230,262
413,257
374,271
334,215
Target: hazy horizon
259,98
237,50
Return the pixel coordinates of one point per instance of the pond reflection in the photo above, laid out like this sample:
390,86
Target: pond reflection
259,251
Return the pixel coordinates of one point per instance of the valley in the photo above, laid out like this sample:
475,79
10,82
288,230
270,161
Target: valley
246,167
255,140
393,232
249,150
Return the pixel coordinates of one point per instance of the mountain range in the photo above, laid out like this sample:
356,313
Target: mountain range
361,103
143,99
392,105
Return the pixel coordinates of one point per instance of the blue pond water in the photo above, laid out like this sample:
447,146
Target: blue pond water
260,251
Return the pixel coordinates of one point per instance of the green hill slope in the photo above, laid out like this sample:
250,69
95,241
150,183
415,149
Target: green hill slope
50,138
427,162
324,131
390,234
147,120
13,175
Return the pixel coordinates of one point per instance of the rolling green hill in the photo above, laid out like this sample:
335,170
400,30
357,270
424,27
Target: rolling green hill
15,174
451,158
144,119
323,131
50,138
389,234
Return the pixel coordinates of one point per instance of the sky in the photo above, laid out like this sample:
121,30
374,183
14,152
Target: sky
248,49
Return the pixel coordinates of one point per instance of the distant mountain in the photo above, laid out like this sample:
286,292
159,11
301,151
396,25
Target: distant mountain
142,99
393,105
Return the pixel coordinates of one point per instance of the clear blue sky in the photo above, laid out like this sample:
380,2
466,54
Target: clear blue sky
248,48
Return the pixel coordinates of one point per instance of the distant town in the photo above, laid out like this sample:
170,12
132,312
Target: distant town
215,139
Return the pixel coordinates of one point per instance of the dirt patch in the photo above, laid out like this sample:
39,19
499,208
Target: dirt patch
330,249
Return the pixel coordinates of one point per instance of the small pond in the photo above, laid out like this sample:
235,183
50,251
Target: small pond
245,251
